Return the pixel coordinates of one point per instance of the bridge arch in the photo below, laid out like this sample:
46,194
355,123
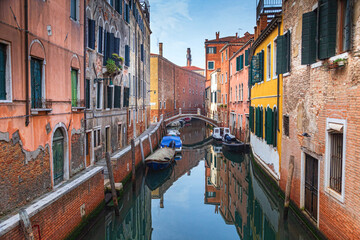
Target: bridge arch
196,116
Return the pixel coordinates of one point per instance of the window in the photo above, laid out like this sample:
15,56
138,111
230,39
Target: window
87,93
117,97
118,6
36,83
126,97
127,56
91,34
247,57
236,94
230,69
74,10
160,105
126,13
225,98
325,28
164,104
274,59
210,65
98,95
335,157
283,53
97,137
5,72
100,39
226,54
231,94
268,62
211,50
242,92
183,90
74,88
226,78
239,96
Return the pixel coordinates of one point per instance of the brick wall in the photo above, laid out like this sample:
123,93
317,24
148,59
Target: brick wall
22,181
77,153
60,218
323,94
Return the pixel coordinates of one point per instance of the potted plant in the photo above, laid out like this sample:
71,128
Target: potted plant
340,62
114,64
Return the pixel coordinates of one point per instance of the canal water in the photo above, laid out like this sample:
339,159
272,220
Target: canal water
207,194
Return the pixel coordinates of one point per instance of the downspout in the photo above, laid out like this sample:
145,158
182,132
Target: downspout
174,89
84,59
136,80
278,89
27,107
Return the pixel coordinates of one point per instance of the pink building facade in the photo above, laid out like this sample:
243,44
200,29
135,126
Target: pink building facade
239,93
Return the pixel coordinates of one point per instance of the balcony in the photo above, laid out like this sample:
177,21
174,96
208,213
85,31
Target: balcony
77,104
268,7
40,105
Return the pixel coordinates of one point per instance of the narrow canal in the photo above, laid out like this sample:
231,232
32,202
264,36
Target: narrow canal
208,194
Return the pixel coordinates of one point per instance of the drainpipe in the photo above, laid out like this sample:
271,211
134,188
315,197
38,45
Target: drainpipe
27,107
84,70
278,89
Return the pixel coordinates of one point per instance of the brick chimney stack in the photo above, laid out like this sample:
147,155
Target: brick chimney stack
188,57
217,35
161,49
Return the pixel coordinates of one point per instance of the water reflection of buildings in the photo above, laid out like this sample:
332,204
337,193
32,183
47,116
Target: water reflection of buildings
244,199
134,221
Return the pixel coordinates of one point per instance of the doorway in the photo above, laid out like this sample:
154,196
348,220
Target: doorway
88,148
107,139
58,156
311,186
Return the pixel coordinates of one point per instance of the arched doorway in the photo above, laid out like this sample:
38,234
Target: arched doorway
58,156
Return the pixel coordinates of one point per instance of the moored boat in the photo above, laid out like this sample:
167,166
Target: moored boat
220,132
230,143
161,158
167,140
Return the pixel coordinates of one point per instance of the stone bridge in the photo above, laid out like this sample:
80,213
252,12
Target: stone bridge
194,113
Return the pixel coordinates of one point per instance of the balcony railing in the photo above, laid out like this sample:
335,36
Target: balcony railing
77,104
41,103
268,7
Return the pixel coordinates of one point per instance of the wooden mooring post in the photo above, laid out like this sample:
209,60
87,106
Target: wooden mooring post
112,183
133,159
288,186
26,225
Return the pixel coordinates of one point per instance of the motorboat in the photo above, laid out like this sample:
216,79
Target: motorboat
161,158
220,132
173,132
230,143
175,124
187,119
167,140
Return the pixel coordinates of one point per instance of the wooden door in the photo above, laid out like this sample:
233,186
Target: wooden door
88,148
36,83
58,156
311,186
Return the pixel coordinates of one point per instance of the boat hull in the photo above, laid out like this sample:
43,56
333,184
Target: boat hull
235,147
154,165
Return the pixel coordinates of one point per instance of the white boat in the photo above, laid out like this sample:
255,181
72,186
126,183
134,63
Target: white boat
175,124
220,132
173,132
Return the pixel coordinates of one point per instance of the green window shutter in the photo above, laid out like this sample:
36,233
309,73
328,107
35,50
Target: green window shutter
91,33
118,6
308,40
98,95
287,51
241,61
73,10
109,97
266,126
74,84
126,97
257,122
2,71
214,49
280,57
100,40
127,55
256,69
274,128
347,26
247,57
261,65
112,45
36,86
271,124
207,50
237,63
117,45
327,28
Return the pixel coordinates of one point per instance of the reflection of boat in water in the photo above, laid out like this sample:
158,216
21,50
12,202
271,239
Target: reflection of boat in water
234,157
154,179
230,143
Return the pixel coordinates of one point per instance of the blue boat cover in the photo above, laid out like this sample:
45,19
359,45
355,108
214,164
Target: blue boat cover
168,139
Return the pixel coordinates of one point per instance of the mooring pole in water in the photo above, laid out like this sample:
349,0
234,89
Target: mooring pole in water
112,183
133,159
26,225
150,143
288,186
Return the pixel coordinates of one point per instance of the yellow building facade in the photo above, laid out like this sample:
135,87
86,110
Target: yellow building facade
266,97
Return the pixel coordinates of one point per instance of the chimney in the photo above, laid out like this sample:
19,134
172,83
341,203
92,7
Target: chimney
217,36
188,57
236,35
161,49
263,22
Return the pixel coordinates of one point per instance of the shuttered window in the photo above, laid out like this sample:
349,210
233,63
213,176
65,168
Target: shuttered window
308,41
251,118
118,6
241,61
100,40
347,26
247,57
91,33
111,46
283,53
117,97
74,87
98,95
327,28
3,57
275,126
116,46
261,117
73,10
127,55
36,83
109,96
211,50
210,65
237,64
142,52
126,14
126,97
269,126
87,94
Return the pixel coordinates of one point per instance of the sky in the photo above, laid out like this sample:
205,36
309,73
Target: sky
180,24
